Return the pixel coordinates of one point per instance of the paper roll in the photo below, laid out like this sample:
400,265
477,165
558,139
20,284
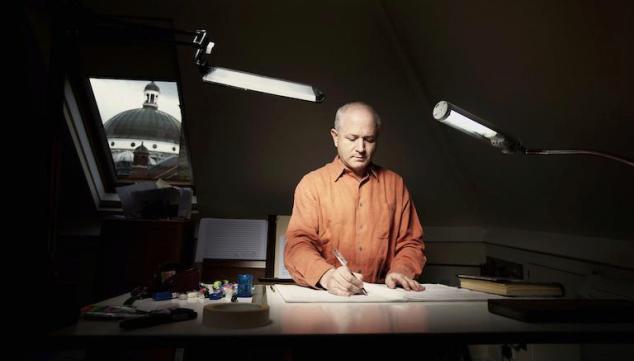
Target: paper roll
235,315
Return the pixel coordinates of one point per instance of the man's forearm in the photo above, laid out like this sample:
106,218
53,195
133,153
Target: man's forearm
304,262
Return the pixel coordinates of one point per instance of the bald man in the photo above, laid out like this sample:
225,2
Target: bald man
358,208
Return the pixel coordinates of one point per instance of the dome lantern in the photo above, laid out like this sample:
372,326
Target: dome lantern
150,95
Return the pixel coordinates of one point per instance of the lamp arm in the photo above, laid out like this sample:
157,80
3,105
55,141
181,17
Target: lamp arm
92,27
86,21
578,151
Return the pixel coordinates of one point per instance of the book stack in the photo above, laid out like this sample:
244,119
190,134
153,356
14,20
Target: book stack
510,286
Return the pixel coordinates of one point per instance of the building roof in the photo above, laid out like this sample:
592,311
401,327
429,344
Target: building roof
144,123
152,86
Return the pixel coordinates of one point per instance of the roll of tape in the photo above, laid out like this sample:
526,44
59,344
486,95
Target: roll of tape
235,315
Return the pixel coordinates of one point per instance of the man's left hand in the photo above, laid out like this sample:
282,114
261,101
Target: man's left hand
394,279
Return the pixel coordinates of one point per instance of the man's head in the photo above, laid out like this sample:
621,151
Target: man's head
355,134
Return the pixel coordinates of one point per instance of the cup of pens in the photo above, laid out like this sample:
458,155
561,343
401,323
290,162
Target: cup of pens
245,285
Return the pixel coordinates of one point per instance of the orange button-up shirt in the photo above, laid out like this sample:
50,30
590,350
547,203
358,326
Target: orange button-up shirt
372,221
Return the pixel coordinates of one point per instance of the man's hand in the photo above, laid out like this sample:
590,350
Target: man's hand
341,281
394,279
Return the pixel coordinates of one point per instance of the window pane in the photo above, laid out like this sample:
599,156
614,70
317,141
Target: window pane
142,124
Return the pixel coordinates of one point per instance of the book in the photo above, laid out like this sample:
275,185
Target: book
379,293
106,312
511,286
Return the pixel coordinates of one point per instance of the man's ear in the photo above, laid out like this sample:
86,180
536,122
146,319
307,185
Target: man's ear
333,132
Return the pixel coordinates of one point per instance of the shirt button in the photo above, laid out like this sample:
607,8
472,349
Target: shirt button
360,248
360,204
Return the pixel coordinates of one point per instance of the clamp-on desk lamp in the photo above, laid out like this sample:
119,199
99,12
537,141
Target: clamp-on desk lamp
248,81
468,123
112,26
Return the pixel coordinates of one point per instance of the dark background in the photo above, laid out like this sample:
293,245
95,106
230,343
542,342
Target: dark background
557,74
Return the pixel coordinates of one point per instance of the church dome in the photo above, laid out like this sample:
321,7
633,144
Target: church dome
144,123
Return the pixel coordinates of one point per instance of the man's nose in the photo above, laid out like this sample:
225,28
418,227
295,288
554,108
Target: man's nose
360,146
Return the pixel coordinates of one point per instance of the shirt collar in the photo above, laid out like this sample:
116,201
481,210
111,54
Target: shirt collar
338,169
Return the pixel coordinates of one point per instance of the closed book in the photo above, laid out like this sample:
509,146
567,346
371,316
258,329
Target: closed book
510,286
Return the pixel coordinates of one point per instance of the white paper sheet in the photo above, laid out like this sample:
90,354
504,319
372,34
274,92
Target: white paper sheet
381,293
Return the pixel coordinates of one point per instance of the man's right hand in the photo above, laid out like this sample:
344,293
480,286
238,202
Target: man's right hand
341,281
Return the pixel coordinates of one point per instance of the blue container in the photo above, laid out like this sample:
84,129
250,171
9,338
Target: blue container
245,285
162,296
216,295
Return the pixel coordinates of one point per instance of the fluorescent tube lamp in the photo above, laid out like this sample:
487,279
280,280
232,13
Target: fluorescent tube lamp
468,123
465,124
92,24
248,81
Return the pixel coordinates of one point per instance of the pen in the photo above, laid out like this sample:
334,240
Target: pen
344,262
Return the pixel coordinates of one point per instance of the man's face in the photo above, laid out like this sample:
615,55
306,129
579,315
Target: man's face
356,139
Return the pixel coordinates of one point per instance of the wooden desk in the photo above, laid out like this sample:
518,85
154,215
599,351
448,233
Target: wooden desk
301,325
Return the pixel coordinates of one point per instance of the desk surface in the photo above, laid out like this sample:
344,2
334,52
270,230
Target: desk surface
297,323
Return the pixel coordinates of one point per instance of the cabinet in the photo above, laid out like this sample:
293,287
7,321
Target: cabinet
132,250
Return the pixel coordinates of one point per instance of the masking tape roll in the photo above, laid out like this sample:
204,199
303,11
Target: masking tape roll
235,315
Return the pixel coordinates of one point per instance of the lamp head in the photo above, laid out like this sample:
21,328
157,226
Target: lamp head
247,81
468,123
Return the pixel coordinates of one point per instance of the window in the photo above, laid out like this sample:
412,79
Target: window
141,122
120,75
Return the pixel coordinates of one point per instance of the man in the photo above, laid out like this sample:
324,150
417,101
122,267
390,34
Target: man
358,208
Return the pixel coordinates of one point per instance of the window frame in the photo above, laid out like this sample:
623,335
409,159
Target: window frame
84,122
101,135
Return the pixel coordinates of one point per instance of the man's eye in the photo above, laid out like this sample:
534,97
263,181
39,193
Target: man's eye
352,139
370,140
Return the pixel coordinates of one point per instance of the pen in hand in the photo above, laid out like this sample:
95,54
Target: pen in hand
344,263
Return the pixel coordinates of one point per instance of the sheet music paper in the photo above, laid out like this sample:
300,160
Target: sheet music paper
281,271
242,239
381,293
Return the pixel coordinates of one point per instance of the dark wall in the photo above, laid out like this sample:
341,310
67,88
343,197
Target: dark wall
554,74
251,149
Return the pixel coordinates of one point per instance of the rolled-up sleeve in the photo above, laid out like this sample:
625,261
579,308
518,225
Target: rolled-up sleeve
303,251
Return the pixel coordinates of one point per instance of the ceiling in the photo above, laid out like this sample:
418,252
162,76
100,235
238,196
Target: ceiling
556,74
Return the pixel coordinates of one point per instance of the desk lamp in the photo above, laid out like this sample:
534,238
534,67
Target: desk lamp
248,81
109,26
468,123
